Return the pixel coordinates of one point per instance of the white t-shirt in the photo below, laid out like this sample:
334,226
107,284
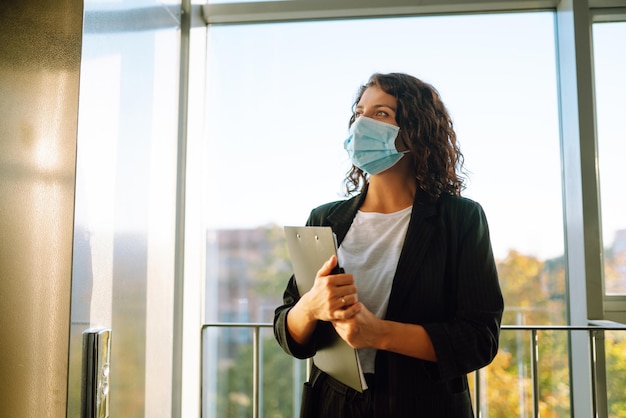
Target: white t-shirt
370,252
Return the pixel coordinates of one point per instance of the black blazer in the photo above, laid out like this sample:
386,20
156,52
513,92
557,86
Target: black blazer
446,280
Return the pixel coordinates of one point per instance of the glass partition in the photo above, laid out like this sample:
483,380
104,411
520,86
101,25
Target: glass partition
279,100
610,88
123,272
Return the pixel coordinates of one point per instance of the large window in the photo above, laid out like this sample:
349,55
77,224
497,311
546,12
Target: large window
610,86
279,100
279,103
610,90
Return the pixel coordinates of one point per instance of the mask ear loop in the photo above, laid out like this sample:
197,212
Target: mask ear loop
403,142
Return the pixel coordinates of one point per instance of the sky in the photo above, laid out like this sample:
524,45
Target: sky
279,110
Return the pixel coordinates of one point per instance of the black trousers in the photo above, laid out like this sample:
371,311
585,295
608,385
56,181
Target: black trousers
326,397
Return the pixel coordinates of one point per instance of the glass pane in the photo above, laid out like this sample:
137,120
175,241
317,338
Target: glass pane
272,127
125,202
610,86
279,100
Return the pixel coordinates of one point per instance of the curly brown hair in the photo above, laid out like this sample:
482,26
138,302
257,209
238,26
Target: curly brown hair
426,129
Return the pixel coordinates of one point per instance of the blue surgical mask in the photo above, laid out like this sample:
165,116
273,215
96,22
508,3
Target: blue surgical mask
371,145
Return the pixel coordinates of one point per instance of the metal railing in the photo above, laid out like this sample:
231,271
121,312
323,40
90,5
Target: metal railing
593,330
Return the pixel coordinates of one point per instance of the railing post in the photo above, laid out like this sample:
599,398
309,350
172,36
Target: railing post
255,373
477,393
534,371
594,372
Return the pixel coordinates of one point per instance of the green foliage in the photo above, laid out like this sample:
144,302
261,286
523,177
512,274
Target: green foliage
279,378
615,347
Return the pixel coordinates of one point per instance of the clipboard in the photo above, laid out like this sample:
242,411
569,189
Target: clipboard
309,247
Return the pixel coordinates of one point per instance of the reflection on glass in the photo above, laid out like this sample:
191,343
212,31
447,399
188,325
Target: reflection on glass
125,201
279,100
610,87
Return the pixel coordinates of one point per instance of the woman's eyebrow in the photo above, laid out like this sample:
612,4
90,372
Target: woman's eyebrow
378,106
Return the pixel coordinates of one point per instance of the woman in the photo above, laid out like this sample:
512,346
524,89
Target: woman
420,298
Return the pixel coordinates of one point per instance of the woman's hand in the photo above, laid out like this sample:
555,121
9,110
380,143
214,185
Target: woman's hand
333,296
361,330
365,330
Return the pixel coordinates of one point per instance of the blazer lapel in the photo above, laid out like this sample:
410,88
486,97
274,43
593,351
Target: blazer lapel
417,241
340,219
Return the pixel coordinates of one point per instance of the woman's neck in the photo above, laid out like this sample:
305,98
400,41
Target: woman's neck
389,192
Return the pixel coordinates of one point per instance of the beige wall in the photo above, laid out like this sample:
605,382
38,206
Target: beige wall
39,78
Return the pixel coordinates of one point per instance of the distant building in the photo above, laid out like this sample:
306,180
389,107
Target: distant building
237,261
618,260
